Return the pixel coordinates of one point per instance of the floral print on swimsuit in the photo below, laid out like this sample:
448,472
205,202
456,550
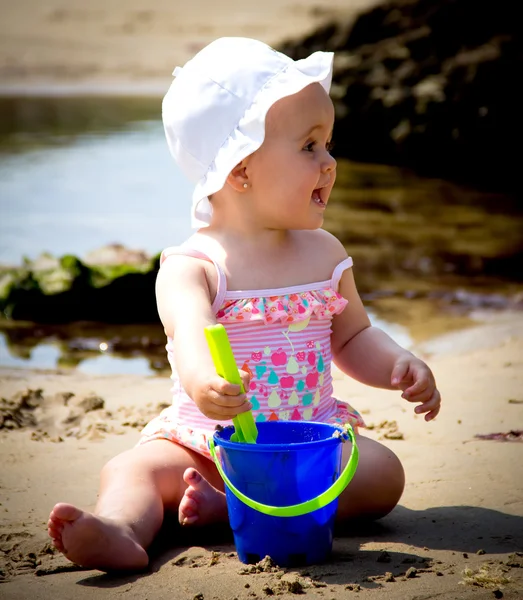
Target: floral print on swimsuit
287,308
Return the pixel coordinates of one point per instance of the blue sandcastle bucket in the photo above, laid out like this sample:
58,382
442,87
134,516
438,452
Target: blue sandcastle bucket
282,492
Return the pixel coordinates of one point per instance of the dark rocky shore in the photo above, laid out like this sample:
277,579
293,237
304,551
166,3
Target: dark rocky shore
431,84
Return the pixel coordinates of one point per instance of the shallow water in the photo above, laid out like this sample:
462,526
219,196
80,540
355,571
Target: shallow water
77,174
72,194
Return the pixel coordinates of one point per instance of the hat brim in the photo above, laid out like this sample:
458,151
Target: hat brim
248,136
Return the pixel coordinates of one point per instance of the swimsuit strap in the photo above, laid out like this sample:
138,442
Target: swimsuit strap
187,251
338,270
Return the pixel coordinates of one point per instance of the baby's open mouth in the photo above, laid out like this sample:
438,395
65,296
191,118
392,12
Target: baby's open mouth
316,196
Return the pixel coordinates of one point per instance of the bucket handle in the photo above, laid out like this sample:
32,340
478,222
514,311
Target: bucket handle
303,508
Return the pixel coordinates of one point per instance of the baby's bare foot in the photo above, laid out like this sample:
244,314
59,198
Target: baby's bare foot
202,503
92,541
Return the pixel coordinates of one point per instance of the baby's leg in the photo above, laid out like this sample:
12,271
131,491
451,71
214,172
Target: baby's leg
377,485
136,486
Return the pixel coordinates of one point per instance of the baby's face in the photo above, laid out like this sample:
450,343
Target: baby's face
292,173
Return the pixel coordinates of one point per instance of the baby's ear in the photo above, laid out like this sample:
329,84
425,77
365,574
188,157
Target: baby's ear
238,178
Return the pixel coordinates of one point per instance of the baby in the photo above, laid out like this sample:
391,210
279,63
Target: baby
252,128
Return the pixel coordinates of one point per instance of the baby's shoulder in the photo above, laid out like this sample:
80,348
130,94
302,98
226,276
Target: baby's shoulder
321,243
183,264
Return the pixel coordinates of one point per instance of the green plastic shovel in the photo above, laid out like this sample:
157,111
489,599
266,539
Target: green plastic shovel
225,363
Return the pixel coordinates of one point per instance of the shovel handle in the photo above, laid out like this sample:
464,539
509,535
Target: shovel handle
225,363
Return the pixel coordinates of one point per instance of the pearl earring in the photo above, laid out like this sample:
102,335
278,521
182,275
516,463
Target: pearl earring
245,185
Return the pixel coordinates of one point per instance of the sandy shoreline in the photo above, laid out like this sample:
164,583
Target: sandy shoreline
111,46
462,508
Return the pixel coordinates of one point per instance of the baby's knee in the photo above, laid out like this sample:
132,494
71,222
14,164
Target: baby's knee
390,477
377,486
117,465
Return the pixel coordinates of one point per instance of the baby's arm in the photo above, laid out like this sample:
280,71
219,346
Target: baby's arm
185,309
369,355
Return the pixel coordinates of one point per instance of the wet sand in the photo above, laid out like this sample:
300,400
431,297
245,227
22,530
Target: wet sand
460,519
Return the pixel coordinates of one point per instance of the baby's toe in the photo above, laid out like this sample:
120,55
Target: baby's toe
65,512
192,477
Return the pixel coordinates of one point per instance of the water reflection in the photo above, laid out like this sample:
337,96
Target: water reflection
98,348
47,356
86,347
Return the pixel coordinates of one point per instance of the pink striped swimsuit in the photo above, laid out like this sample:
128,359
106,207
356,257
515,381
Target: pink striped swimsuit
282,337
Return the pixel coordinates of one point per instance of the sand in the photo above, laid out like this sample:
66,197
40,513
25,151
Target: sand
460,519
114,45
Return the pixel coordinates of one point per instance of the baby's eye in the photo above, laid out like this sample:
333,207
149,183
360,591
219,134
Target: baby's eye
310,146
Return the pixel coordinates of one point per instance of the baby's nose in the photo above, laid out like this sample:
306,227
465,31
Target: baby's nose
329,163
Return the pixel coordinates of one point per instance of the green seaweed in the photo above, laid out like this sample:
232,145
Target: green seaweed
67,289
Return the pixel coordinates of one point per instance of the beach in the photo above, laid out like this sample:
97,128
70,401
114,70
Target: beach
460,519
458,530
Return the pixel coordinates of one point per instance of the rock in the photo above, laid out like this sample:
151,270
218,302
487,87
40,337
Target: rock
430,84
67,289
116,254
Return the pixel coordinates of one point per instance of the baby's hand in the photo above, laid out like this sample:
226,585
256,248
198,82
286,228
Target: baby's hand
413,376
220,400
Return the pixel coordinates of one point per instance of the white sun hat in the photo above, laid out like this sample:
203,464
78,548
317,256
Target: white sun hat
214,111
